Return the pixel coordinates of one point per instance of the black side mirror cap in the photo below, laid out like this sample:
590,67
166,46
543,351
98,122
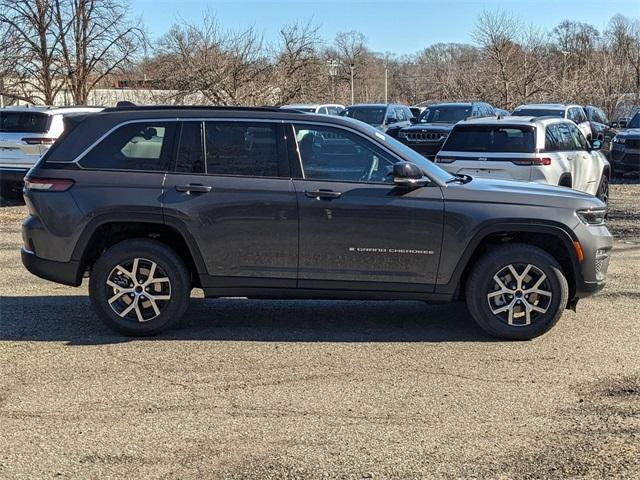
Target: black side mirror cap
406,174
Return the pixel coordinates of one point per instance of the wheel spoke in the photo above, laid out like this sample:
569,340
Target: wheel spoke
524,274
539,292
503,308
126,272
118,295
159,297
137,308
500,283
517,277
126,311
536,308
510,307
134,269
156,310
542,278
498,292
152,271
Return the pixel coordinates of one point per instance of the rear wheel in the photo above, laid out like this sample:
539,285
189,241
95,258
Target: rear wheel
603,189
517,291
139,287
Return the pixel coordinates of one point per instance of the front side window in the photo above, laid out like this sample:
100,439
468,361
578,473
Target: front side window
479,138
578,138
241,148
135,146
400,116
330,153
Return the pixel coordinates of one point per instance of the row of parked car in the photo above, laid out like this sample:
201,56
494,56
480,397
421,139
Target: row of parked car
561,144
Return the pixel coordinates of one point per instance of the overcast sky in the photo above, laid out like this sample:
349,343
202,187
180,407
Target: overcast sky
397,26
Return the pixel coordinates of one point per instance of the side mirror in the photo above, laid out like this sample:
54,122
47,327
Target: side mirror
613,124
391,120
413,120
406,174
596,144
622,124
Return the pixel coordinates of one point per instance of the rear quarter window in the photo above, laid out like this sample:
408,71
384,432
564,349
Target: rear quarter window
24,122
491,139
144,146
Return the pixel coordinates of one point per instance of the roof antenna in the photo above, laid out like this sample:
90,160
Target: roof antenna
124,103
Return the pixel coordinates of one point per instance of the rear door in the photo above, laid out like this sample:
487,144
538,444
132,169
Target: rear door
230,188
357,229
586,167
489,151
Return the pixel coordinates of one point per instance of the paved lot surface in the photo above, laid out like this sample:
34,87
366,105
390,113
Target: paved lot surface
316,389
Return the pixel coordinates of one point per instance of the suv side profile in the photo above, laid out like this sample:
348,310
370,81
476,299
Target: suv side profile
542,150
625,149
436,121
262,203
601,128
389,118
575,113
26,133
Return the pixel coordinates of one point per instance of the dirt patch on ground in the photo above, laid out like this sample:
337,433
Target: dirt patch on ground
598,437
624,210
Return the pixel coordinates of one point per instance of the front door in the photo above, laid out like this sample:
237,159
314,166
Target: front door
357,229
230,187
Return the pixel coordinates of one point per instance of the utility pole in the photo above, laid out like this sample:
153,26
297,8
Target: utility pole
352,96
333,71
386,80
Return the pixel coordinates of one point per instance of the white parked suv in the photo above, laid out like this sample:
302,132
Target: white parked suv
575,113
323,109
26,133
533,149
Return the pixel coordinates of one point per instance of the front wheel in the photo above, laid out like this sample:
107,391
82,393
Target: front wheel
139,287
516,291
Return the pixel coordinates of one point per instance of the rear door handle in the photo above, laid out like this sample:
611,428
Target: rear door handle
193,188
326,194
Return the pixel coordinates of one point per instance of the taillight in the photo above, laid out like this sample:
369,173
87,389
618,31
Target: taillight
532,161
445,160
39,141
48,184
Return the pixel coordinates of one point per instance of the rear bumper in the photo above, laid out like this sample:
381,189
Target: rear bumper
13,174
67,273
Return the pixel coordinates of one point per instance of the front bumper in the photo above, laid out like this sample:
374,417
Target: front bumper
67,273
597,245
426,149
625,160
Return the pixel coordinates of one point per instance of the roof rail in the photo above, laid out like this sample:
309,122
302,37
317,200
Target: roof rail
128,106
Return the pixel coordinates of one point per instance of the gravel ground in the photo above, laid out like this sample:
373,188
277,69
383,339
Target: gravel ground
318,389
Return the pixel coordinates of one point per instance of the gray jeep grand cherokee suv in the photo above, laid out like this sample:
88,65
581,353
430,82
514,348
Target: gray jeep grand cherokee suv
150,202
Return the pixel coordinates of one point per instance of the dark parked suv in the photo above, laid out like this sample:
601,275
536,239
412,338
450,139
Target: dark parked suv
435,123
263,203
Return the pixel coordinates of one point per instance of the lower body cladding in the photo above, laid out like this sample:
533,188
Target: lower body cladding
625,161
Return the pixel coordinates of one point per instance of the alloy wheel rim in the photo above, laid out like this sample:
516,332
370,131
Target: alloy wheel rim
519,294
138,290
604,194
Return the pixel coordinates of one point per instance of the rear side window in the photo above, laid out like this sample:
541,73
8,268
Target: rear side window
190,154
552,141
239,148
488,138
135,146
24,122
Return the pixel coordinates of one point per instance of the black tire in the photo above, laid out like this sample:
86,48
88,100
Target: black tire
480,284
172,295
603,189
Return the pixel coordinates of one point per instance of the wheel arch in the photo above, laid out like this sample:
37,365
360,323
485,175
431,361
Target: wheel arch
107,230
553,238
566,180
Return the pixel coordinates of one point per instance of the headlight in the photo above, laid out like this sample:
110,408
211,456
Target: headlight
592,216
617,139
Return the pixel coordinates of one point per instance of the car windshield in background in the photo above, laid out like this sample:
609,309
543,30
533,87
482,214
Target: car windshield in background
24,122
473,138
302,109
366,114
635,121
538,112
449,114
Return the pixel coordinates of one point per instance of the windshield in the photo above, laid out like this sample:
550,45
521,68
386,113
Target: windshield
445,114
368,114
635,121
410,155
476,138
538,112
24,122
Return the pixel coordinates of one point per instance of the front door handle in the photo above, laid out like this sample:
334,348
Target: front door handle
326,194
193,188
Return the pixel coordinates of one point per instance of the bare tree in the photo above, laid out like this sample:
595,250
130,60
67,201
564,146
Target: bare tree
29,48
96,39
